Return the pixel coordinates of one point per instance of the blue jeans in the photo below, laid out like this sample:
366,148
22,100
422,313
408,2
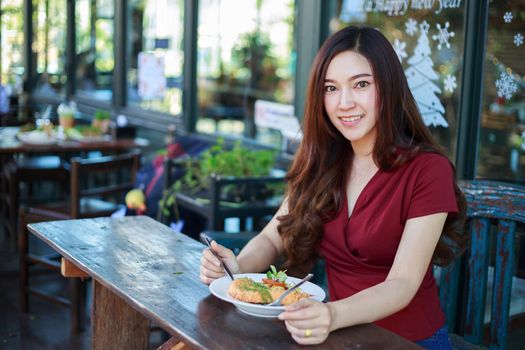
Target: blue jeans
437,341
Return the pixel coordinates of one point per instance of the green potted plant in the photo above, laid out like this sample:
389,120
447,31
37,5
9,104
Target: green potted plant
66,114
218,162
101,120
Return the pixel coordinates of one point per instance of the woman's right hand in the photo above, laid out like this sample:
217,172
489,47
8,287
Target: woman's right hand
211,268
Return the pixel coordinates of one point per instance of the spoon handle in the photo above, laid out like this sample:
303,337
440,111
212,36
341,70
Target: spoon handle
278,301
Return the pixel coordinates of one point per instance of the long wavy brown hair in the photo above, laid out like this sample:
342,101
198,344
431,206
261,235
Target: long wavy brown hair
321,168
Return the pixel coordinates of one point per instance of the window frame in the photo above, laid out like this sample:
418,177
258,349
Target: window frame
312,21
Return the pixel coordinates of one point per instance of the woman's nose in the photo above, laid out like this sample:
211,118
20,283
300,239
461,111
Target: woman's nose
347,100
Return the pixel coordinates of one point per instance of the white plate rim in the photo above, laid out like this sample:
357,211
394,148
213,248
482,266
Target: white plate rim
217,285
25,138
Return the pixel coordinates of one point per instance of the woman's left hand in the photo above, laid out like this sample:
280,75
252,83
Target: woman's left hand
308,321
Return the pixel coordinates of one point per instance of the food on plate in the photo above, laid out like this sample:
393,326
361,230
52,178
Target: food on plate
48,128
89,131
81,132
27,127
44,134
264,292
275,278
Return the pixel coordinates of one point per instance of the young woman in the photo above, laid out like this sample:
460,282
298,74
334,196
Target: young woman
369,191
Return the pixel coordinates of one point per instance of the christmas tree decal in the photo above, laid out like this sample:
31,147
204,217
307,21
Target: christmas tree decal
421,76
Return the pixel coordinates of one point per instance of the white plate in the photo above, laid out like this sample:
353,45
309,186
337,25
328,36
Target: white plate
88,139
36,137
219,288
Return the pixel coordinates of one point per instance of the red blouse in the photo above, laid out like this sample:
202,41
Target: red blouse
360,249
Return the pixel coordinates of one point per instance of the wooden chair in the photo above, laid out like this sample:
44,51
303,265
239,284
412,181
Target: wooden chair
98,185
90,197
76,294
494,209
29,171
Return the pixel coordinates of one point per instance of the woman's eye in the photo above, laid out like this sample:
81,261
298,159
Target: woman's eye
329,88
362,84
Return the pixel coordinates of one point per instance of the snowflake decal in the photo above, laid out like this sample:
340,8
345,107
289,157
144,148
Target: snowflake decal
450,83
400,49
523,143
424,27
506,85
518,39
443,35
507,17
411,27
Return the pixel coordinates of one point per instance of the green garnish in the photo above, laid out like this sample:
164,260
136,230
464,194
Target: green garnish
250,285
260,288
27,127
276,276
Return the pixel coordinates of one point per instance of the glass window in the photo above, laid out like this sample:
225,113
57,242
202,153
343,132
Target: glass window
49,45
243,59
428,38
11,49
155,73
501,153
94,52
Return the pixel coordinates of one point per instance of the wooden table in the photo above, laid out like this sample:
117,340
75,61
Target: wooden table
9,144
142,270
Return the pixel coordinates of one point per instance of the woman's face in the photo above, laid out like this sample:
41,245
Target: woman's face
350,98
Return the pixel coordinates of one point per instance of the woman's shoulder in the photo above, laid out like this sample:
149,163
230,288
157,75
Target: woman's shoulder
425,163
431,163
428,158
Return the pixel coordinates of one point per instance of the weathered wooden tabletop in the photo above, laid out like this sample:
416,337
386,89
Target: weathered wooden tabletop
156,271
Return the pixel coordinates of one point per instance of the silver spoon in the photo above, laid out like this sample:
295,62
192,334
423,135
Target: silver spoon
278,301
223,265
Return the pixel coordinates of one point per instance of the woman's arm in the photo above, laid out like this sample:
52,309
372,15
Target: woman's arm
256,256
413,256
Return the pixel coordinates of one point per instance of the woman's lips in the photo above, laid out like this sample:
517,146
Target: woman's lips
351,119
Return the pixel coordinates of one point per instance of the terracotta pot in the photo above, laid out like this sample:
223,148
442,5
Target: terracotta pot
67,121
102,124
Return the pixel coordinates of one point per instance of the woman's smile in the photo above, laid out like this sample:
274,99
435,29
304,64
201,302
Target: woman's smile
351,119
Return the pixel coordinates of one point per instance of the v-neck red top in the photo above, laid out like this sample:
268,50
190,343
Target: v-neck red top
360,250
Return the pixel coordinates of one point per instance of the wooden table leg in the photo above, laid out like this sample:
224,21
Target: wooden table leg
116,325
77,298
173,344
